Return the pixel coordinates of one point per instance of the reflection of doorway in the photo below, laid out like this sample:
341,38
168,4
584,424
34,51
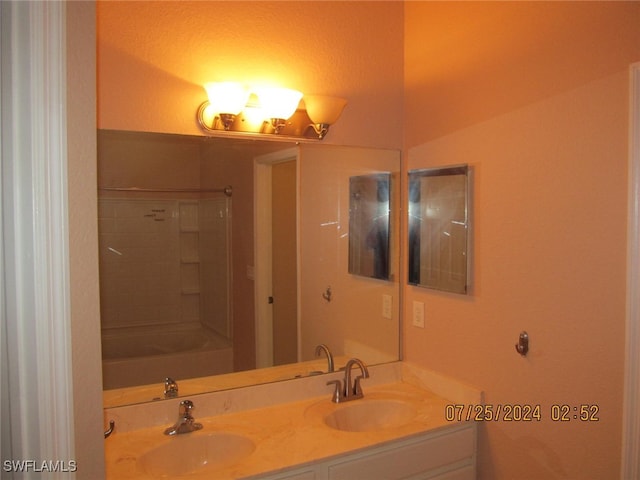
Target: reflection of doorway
276,255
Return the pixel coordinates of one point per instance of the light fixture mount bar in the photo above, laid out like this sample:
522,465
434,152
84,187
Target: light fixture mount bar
298,127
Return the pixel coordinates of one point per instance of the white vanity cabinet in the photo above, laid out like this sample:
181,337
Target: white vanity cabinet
444,454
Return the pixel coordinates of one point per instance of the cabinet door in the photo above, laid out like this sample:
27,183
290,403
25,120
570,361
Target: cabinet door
302,474
465,473
410,459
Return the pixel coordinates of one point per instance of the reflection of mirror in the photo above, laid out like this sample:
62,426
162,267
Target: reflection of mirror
438,228
179,270
369,225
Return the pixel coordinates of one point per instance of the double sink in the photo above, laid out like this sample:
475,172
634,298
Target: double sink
275,428
208,451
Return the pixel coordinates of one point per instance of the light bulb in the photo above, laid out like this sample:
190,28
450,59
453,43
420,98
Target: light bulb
278,103
227,97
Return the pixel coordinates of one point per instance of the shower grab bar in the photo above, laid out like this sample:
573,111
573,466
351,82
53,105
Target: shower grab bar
228,190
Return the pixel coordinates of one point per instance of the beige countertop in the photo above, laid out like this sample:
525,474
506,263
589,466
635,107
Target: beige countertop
194,386
285,435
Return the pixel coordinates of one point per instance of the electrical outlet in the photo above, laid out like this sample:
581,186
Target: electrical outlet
418,314
387,306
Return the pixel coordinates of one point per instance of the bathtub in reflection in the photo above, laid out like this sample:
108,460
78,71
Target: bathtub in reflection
145,355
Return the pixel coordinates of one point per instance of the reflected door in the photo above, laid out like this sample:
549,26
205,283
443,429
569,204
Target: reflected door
284,268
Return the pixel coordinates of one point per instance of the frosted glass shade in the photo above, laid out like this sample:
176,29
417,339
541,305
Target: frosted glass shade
278,102
323,109
227,97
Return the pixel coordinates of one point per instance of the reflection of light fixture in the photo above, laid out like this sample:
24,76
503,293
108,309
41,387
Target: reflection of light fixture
233,109
278,104
323,111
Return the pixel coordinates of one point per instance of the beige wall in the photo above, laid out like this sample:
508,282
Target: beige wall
534,96
147,161
154,57
83,241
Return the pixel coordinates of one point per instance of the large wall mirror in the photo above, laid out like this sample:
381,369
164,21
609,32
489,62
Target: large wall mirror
439,228
216,256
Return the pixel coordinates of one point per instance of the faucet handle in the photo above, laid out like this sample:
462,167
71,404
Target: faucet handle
185,409
338,393
185,422
170,388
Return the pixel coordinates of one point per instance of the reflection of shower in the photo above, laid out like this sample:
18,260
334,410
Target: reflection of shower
165,261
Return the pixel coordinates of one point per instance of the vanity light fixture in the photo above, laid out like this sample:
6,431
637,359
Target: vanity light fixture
226,100
323,111
232,109
278,105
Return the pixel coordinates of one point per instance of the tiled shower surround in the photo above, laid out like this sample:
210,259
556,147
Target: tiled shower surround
163,263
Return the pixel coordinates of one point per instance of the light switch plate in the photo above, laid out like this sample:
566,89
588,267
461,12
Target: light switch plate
387,306
418,314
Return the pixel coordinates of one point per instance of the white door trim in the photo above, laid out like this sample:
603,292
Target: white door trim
35,313
631,412
262,251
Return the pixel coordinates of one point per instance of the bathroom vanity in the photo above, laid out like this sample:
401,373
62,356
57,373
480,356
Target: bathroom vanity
292,430
447,454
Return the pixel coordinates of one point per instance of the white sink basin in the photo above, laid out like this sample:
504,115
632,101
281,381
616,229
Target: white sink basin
365,415
194,452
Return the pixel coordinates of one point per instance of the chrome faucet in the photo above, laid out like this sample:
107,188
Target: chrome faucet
170,388
347,391
323,348
185,422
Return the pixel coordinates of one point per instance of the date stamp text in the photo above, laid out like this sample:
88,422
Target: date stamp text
521,413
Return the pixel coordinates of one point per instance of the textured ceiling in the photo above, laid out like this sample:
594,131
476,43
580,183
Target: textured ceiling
154,57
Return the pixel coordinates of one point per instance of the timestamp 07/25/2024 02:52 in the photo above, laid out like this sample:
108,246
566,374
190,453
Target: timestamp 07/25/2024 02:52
560,412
